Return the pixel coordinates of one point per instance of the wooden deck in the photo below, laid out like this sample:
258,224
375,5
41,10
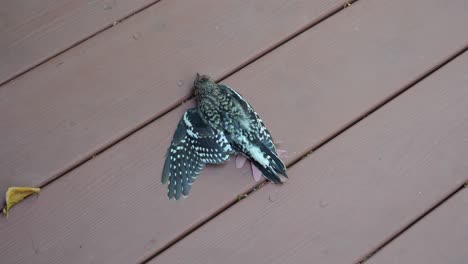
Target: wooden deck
370,99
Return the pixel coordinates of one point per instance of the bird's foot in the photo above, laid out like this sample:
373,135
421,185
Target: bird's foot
240,160
282,153
256,173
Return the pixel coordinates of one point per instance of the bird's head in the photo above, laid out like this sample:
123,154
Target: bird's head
203,85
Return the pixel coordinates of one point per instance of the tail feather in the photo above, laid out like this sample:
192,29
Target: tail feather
278,164
268,173
267,162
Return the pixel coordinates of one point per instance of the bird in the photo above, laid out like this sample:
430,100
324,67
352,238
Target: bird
222,124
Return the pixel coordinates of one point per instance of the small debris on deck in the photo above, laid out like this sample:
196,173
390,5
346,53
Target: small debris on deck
15,195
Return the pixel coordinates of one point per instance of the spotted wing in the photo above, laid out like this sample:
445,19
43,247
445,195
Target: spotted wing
255,141
255,121
194,145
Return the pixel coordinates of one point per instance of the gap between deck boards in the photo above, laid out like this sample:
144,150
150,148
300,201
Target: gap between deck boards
437,203
412,223
321,144
77,43
325,141
181,101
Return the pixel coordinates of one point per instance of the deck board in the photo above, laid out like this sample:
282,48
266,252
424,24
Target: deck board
96,93
33,31
440,237
356,191
113,208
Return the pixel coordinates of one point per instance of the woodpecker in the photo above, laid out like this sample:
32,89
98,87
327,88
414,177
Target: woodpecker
222,124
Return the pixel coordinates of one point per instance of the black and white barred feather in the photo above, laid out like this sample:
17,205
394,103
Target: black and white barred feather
194,145
223,124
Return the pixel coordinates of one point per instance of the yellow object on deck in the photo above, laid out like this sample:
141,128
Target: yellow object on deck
15,195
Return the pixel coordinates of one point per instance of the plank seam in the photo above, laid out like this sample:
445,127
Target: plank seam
427,212
287,39
383,102
77,43
181,101
412,223
319,145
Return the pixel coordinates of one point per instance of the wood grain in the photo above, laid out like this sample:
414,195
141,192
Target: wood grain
356,191
113,208
76,104
33,31
440,237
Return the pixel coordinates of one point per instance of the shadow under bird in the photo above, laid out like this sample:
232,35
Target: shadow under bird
222,124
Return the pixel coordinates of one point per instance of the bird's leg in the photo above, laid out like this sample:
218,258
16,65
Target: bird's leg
256,173
240,160
282,153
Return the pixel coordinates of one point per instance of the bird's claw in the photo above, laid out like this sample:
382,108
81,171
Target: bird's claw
240,160
282,153
256,173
